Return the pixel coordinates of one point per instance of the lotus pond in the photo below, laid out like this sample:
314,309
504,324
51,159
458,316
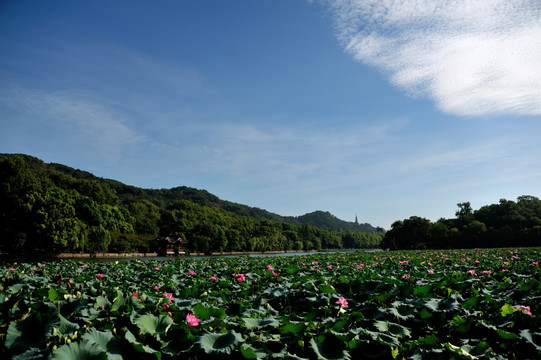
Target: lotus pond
456,304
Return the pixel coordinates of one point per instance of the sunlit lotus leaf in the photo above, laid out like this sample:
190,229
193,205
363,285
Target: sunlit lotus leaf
119,301
82,350
102,303
154,325
213,343
252,323
106,342
444,305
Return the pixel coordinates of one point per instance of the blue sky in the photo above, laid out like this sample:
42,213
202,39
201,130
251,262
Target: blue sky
384,109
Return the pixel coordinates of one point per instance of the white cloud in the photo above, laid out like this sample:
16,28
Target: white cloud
72,119
472,58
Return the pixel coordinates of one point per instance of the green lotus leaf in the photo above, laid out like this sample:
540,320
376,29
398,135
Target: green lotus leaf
102,303
106,342
385,339
119,301
252,323
250,353
393,329
292,269
429,340
331,348
422,290
470,352
53,294
204,313
71,306
153,325
67,327
508,309
292,328
434,354
80,350
32,331
439,305
372,313
213,343
30,354
288,356
404,312
138,346
471,302
327,289
529,337
506,335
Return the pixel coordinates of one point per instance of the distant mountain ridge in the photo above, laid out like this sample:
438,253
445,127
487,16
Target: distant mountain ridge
165,197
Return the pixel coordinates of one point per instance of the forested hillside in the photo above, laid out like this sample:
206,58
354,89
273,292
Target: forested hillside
55,208
506,224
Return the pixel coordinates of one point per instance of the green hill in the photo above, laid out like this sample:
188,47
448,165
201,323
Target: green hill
53,207
165,197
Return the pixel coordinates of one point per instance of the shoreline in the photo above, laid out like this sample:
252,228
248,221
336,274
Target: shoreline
142,255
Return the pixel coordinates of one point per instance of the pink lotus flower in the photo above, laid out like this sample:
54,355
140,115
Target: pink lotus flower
329,267
100,276
240,277
213,278
406,276
10,268
274,274
430,271
166,307
472,272
191,272
270,268
192,320
343,302
156,288
487,272
524,309
156,268
169,296
136,295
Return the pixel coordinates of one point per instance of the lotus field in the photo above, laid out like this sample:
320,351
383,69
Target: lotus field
453,304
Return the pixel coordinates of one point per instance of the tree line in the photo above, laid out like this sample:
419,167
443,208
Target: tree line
54,208
506,224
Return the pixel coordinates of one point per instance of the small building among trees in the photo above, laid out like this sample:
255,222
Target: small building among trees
169,246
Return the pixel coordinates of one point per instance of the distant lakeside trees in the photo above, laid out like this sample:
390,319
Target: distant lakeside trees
506,224
48,208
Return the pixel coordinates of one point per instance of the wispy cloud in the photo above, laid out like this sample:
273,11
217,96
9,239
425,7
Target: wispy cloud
71,120
473,58
283,156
